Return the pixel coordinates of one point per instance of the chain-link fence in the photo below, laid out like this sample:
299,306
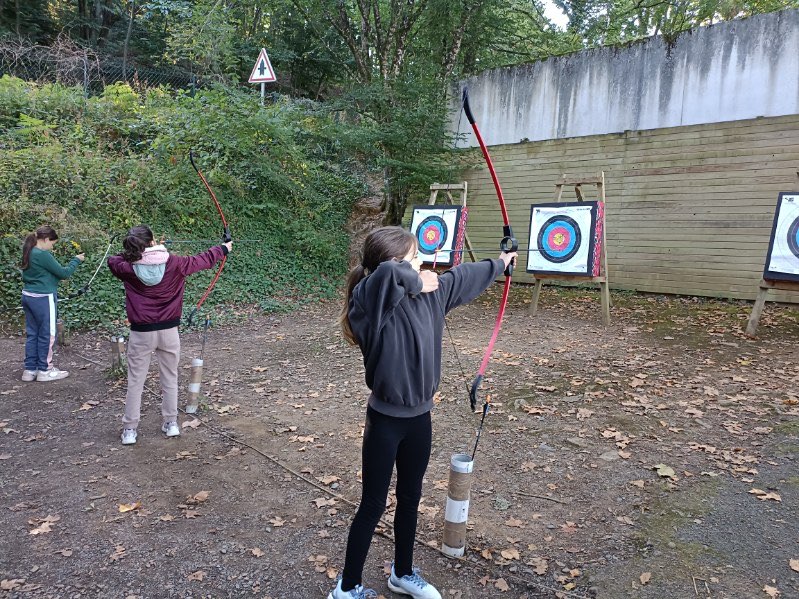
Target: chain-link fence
69,64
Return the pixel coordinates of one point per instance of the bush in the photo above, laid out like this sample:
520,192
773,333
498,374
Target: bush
97,166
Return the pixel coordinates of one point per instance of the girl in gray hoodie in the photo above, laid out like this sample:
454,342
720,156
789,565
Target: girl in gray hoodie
394,312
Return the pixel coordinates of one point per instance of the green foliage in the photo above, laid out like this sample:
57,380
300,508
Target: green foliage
95,167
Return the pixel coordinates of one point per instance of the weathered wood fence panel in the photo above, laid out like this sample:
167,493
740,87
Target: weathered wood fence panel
689,209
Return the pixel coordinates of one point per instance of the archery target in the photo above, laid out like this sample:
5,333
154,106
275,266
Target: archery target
782,262
436,229
562,238
431,234
559,239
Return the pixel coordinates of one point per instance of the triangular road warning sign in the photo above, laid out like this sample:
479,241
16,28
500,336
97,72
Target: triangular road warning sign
262,72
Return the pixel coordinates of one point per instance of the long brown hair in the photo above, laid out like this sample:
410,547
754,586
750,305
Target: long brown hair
43,232
136,241
385,243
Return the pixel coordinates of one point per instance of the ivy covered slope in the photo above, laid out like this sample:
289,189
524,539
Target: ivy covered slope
95,166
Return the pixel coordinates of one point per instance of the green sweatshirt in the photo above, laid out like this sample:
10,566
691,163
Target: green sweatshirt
44,272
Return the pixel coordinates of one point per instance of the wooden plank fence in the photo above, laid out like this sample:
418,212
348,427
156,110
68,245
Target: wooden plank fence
689,209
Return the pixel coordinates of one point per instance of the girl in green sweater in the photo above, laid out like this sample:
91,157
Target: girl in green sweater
41,274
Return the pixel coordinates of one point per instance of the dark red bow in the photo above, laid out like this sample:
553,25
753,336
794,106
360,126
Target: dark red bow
226,237
508,244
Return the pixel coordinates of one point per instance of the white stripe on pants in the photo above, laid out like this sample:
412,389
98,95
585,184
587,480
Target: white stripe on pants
166,345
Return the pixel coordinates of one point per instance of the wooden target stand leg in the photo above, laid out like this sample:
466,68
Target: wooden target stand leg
760,302
448,189
599,181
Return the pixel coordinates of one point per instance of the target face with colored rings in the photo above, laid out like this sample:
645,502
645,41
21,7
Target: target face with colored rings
432,234
793,237
559,239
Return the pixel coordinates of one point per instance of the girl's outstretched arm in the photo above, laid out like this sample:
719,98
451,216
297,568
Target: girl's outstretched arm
202,261
49,263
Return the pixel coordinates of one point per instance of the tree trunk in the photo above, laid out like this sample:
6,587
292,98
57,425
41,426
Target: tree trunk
394,199
127,40
83,18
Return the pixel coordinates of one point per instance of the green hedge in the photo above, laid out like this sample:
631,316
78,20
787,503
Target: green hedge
93,167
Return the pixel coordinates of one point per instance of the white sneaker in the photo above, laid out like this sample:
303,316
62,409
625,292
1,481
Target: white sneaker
52,374
170,429
129,436
357,593
413,585
29,375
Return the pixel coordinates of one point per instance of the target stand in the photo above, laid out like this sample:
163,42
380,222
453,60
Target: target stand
760,302
560,238
781,271
461,190
440,229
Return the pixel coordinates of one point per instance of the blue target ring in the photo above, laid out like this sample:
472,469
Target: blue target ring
793,237
559,239
431,235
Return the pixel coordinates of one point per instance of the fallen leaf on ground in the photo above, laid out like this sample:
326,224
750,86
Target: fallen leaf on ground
645,577
771,591
765,495
10,584
510,554
129,507
501,585
322,502
198,575
45,525
257,552
794,563
539,565
664,470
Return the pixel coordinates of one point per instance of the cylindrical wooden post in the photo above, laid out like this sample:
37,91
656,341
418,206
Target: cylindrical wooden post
194,385
457,512
115,357
61,333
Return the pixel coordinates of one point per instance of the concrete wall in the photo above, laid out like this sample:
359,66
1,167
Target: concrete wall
727,72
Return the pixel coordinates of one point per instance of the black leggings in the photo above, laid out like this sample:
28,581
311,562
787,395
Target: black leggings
387,440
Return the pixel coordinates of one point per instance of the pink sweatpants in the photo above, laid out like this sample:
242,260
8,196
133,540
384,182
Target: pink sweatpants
141,345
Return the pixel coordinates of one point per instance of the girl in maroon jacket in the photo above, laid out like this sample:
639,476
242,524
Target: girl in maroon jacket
154,281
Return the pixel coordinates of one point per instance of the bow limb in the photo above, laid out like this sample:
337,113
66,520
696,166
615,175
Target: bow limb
226,237
508,244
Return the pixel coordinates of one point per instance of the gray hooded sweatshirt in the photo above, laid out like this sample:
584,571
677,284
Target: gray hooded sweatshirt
399,329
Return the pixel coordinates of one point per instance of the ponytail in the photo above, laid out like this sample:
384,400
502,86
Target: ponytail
136,241
43,232
385,243
356,275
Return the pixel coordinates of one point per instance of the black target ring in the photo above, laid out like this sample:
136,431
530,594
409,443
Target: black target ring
793,237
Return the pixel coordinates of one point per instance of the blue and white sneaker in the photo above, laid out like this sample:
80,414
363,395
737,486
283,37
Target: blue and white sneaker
357,593
413,585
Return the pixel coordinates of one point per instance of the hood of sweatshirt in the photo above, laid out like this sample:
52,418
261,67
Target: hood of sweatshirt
150,269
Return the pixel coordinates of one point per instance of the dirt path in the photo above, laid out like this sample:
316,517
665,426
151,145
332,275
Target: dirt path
565,499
